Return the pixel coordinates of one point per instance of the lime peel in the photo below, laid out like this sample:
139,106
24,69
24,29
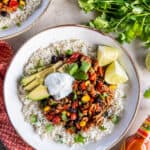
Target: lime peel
115,74
106,55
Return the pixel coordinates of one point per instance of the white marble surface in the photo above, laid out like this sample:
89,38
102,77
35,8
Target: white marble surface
68,12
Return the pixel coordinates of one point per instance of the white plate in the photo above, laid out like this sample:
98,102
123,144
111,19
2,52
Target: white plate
27,24
43,39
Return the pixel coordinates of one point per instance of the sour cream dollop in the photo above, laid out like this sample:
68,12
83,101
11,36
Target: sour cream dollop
59,84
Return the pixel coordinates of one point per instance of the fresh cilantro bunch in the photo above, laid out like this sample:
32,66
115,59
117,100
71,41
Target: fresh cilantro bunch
128,19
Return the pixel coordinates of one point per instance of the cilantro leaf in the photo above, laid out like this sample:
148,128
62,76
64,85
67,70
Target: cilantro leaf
79,138
127,19
147,93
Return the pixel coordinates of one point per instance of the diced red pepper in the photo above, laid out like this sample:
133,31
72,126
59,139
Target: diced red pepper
93,77
13,4
100,84
73,116
73,57
100,71
49,117
56,120
65,107
83,86
75,104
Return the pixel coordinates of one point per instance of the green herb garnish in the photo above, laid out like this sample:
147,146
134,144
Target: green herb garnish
147,93
72,68
69,52
4,27
64,116
79,75
124,96
102,128
103,96
57,52
79,138
127,19
18,24
49,127
115,119
85,66
74,95
33,118
53,103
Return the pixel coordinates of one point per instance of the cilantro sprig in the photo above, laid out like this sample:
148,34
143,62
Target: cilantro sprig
128,19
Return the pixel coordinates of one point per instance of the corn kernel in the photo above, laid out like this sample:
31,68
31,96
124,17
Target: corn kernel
85,98
87,83
46,108
82,123
22,3
113,87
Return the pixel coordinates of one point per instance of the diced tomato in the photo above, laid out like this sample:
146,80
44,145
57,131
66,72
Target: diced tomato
73,116
78,126
56,120
92,100
83,86
73,57
100,84
49,117
65,107
100,71
70,130
13,4
93,77
75,104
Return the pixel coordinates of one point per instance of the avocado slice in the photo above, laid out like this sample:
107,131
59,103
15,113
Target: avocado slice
33,84
25,80
39,93
40,75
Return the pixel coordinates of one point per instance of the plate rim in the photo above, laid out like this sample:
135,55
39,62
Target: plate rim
99,32
7,37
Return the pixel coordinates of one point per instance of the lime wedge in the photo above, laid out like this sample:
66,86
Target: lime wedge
106,55
115,74
147,61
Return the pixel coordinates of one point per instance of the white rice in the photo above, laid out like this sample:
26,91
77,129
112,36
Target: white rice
58,133
19,16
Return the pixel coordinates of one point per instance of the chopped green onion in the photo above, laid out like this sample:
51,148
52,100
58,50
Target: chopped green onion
80,75
33,118
147,93
53,103
79,138
69,52
64,116
124,96
85,66
4,27
103,96
102,128
18,24
72,68
74,95
115,119
57,52
49,127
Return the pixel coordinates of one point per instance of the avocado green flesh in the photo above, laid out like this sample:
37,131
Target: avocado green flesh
26,80
36,79
39,93
33,84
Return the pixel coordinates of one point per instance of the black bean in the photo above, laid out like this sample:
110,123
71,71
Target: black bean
3,13
105,114
54,59
98,99
61,57
72,110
